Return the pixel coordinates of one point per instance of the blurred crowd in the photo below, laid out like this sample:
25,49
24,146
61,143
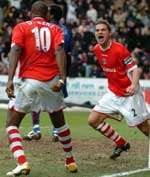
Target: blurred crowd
130,21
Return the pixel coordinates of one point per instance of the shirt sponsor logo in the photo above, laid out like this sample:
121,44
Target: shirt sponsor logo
104,61
111,70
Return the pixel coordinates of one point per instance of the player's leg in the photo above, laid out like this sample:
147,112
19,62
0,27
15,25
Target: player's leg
54,135
64,137
36,122
97,121
53,102
13,121
144,127
35,134
54,130
25,101
105,107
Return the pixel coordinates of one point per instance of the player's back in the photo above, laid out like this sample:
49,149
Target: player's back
39,41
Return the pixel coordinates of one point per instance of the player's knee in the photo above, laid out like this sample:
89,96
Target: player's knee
145,131
144,127
14,118
94,120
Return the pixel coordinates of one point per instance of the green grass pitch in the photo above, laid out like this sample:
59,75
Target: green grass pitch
90,148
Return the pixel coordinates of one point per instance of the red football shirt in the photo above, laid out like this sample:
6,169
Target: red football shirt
39,41
115,61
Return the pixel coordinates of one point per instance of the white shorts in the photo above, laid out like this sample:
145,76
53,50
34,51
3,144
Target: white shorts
34,95
132,108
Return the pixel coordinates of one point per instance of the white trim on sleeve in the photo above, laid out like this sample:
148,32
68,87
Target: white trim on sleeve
132,68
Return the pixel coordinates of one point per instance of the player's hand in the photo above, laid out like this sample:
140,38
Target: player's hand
58,85
130,90
10,89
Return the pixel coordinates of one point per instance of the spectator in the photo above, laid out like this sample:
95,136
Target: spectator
71,15
130,20
92,13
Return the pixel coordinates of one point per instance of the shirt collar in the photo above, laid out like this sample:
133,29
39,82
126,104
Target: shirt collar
108,47
38,19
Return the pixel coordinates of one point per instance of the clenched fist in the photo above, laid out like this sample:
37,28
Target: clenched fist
58,85
10,89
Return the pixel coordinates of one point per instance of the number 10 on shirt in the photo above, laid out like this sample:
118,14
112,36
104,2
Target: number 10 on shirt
42,38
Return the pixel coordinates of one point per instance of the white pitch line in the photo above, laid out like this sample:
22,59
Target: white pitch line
127,173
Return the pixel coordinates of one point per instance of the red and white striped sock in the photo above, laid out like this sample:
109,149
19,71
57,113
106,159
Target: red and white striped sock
110,133
65,139
15,144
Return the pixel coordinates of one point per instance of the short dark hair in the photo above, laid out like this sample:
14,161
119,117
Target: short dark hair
56,11
39,8
105,22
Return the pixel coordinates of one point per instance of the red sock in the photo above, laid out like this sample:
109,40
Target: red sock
15,144
110,133
69,160
65,139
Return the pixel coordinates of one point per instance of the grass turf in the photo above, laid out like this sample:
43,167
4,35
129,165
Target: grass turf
90,148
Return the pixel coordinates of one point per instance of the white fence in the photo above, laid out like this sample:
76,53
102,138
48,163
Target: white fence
82,90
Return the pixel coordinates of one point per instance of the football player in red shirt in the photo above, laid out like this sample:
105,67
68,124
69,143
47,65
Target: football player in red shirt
124,95
55,14
38,47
